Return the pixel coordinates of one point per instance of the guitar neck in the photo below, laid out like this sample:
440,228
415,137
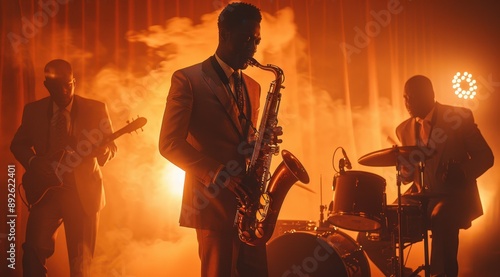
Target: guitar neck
131,127
111,138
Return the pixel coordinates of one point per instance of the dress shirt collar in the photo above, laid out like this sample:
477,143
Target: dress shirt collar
68,108
428,117
225,67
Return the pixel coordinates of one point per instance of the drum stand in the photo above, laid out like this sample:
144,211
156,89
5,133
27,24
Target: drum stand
423,202
400,265
426,267
323,224
392,157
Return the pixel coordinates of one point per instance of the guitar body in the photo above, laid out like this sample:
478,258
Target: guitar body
36,184
35,187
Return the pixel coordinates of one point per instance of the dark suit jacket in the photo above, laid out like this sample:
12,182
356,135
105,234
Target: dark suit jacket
201,133
89,117
454,137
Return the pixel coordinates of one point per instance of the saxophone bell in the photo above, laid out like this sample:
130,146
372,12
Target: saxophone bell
265,209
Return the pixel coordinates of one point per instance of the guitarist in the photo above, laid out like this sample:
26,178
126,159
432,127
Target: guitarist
58,143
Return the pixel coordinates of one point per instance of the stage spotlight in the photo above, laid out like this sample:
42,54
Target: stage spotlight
470,87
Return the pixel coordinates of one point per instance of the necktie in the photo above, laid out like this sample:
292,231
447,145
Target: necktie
425,128
60,130
238,91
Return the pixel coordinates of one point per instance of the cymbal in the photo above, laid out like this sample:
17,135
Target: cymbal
390,156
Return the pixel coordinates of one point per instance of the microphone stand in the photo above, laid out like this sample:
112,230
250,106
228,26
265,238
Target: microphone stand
322,222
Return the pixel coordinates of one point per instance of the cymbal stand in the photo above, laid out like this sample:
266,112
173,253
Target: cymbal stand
400,235
322,222
424,202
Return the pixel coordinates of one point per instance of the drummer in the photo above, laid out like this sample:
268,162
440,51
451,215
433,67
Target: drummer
455,155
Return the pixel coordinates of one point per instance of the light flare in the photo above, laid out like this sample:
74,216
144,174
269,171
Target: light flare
470,83
173,178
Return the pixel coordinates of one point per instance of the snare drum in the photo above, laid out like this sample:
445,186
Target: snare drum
284,226
358,201
412,222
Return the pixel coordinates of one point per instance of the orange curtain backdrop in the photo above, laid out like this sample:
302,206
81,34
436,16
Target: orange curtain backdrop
346,63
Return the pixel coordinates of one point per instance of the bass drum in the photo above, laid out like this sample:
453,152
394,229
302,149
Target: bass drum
330,253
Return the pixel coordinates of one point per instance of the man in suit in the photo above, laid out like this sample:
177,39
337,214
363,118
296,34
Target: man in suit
60,142
208,124
456,154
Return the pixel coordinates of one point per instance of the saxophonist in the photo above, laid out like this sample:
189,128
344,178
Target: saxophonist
208,124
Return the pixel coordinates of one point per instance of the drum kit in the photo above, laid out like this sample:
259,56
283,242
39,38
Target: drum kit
299,248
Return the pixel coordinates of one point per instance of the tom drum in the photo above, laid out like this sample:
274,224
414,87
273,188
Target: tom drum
358,201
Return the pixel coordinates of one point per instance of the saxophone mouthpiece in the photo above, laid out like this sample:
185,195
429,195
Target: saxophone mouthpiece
253,62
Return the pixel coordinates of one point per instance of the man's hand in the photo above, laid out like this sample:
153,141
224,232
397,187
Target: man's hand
277,131
272,135
100,150
407,174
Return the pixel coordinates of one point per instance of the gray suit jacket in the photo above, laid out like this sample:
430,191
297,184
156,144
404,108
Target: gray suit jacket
454,137
201,133
90,121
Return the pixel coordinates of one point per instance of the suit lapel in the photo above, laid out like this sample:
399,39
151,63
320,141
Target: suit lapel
222,93
75,121
44,126
410,129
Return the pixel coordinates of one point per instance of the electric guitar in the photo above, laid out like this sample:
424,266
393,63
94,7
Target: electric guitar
37,185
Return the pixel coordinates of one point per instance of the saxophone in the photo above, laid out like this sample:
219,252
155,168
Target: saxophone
258,212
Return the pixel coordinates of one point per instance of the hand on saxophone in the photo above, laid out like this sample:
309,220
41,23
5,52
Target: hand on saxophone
235,186
272,135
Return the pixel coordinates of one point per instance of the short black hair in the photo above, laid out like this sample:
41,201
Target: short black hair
57,68
235,14
420,85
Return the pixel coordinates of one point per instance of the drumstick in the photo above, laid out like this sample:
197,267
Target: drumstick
304,187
